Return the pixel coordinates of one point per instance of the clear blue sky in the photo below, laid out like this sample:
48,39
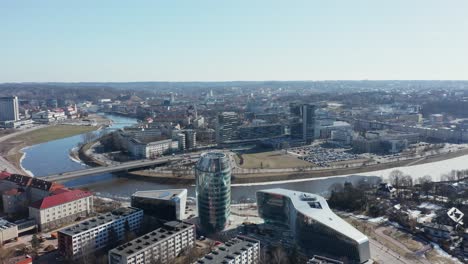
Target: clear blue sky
197,40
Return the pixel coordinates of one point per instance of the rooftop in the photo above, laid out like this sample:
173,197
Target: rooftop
229,250
61,198
4,224
169,229
99,220
161,194
316,207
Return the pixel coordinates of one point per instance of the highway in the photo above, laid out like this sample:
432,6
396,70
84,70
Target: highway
109,169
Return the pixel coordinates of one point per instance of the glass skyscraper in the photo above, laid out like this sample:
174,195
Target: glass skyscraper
213,178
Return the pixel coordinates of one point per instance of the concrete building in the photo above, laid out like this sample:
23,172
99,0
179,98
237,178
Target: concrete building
59,209
147,150
163,204
226,128
239,250
9,108
160,246
260,131
213,188
314,226
46,117
8,231
98,232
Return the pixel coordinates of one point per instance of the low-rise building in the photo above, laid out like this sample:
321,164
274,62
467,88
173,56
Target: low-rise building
98,232
160,246
239,250
438,231
8,231
323,260
56,210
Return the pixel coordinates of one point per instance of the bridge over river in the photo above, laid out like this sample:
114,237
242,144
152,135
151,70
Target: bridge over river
124,166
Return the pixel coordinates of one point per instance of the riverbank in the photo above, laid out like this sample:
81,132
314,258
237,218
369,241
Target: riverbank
11,149
267,177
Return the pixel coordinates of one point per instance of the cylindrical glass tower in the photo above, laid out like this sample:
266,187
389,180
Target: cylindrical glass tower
213,176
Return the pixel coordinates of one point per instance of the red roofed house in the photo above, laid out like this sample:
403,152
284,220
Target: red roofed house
53,211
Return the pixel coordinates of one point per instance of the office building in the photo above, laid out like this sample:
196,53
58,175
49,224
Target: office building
98,232
226,129
54,211
163,204
9,108
260,131
8,231
302,123
239,250
213,180
314,226
160,246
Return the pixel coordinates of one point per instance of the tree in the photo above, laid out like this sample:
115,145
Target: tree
35,244
279,256
426,184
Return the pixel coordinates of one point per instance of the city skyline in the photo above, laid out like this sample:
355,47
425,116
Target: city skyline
209,41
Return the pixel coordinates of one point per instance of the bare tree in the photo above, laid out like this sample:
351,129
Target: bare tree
279,256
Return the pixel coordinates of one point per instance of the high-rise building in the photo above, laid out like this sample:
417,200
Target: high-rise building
314,226
9,110
226,129
213,179
303,121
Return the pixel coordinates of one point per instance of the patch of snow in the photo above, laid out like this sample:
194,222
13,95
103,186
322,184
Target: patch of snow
430,206
377,220
445,254
397,206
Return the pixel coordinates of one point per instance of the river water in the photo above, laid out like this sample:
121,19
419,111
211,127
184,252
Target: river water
53,157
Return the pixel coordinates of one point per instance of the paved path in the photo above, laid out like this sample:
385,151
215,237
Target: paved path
6,165
379,232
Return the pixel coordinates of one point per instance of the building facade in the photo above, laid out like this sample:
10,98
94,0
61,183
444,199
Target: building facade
8,231
213,188
226,129
159,246
9,108
239,250
314,226
98,232
56,210
163,204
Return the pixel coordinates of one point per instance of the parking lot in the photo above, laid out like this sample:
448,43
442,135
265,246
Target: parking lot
323,157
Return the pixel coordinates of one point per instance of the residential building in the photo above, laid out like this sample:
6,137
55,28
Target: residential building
8,231
438,231
98,232
9,108
213,188
59,209
159,246
314,226
163,204
239,250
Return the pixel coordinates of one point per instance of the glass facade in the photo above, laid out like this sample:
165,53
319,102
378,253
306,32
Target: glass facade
213,179
312,235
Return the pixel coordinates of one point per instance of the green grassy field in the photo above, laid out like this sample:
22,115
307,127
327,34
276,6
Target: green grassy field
272,160
51,133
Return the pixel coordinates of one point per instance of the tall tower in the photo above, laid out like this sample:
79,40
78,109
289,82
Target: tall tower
303,121
213,178
226,129
9,108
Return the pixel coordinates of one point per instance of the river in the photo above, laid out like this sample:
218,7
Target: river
53,157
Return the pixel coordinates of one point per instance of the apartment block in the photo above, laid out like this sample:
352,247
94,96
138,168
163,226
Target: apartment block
98,232
160,246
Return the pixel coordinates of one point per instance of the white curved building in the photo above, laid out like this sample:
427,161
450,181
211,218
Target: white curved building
313,224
